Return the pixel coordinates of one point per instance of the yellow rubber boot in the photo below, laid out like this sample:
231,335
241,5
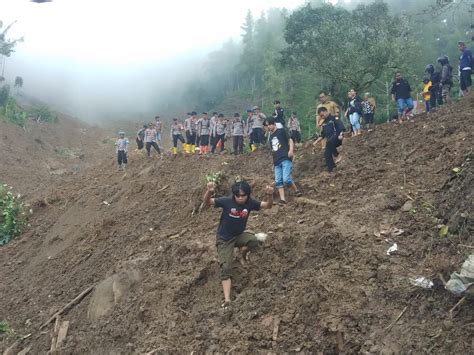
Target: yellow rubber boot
175,150
253,148
193,148
185,147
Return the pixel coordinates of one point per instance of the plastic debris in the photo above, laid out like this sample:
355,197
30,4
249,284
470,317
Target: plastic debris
106,203
460,282
393,249
422,282
261,236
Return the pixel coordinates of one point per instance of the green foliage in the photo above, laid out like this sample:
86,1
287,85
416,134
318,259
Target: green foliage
5,328
7,45
44,114
216,178
4,94
12,214
13,113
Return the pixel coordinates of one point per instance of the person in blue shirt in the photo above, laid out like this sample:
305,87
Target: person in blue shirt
465,68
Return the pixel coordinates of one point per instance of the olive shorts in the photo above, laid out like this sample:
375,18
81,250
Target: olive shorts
225,251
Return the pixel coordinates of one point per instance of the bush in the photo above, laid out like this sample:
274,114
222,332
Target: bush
4,94
13,113
12,214
44,114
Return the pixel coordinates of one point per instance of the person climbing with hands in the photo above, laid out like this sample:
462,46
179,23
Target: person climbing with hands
231,229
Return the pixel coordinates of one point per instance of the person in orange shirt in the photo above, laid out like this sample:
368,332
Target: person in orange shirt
427,93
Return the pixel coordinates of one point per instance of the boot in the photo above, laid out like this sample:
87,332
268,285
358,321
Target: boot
193,149
185,147
253,148
175,150
201,150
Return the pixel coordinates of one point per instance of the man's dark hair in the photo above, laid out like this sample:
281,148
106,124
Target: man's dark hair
277,102
236,114
220,115
322,109
294,113
214,113
241,186
145,126
323,92
268,121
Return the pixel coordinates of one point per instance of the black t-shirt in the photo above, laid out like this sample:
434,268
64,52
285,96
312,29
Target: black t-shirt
234,217
401,89
279,143
280,115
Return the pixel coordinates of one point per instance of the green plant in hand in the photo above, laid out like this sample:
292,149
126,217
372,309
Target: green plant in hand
12,214
216,178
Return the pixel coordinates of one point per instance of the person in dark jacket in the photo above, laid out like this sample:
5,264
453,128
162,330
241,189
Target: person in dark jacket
435,92
446,79
401,94
354,111
279,114
465,68
332,130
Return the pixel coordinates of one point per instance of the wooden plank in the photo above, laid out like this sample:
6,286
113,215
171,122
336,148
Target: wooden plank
62,334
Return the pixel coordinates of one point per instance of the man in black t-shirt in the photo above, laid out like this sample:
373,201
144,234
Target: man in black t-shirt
230,232
282,148
401,94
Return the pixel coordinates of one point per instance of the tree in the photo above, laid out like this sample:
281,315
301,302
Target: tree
18,83
344,46
7,45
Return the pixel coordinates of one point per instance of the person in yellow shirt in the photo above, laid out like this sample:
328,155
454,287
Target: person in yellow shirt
427,93
332,108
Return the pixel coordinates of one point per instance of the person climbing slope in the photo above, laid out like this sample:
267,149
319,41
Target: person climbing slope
231,230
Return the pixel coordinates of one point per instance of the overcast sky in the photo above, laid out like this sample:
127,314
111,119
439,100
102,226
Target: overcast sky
83,55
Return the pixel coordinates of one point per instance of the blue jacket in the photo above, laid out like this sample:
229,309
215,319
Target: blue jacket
465,60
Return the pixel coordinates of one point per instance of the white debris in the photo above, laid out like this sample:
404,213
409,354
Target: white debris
422,282
261,236
393,249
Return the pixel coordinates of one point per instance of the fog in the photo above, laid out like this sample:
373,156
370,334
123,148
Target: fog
115,59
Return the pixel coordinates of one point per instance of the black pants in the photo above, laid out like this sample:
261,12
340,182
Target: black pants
139,143
191,138
122,157
258,136
177,137
436,98
369,118
296,136
330,151
205,140
219,138
198,140
148,146
238,144
212,140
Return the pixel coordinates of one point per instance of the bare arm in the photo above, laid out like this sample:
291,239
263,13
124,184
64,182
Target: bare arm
291,144
208,199
269,202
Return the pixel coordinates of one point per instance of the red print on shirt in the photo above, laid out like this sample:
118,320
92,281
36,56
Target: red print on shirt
234,213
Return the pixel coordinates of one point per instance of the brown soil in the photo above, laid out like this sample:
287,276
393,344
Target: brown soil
321,283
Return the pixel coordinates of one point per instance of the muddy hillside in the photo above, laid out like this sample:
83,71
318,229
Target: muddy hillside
142,251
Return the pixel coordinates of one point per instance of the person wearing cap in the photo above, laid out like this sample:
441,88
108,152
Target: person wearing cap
203,131
465,68
238,131
159,128
446,78
249,132
190,130
212,126
121,145
435,92
282,152
150,140
219,130
257,126
279,114
175,132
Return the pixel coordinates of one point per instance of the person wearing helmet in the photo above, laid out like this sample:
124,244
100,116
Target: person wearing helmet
401,94
465,68
446,79
435,92
121,150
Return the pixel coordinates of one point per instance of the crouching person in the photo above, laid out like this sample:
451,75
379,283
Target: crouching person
230,232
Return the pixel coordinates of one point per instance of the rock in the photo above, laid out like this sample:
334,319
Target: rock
448,324
407,206
111,291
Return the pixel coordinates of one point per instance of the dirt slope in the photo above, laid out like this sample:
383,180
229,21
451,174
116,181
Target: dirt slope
322,282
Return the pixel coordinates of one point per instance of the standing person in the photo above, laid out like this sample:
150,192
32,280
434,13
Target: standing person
258,118
238,131
401,93
294,128
159,128
220,130
354,111
212,128
435,93
140,139
331,106
368,110
332,130
446,79
279,114
465,68
426,93
283,152
175,132
204,130
122,148
197,140
150,140
231,230
190,130
249,131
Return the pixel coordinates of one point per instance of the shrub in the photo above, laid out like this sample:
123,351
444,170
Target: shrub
12,214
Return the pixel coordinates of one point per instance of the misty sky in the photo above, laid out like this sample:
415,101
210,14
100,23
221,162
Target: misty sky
80,53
